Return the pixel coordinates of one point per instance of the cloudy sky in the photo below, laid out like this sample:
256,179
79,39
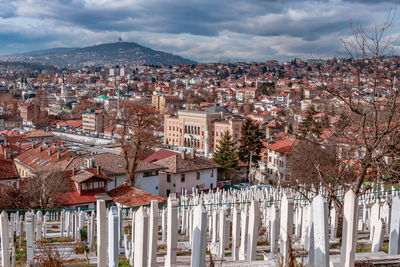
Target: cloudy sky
202,30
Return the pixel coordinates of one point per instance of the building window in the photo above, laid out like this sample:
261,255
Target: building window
182,178
212,173
168,192
168,178
174,185
211,186
156,187
198,175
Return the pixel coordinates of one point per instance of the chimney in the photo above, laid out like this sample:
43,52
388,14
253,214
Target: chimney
7,153
58,155
40,149
33,146
49,152
98,170
73,172
193,154
183,154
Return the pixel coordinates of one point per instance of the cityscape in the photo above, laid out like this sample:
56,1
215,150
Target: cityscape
173,135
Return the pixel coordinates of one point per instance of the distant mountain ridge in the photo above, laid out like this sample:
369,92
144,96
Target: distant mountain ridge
128,53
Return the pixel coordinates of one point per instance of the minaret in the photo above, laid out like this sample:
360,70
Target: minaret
206,144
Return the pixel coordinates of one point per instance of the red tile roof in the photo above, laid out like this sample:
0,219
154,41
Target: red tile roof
37,133
161,154
74,198
283,146
176,164
110,163
132,197
7,169
42,155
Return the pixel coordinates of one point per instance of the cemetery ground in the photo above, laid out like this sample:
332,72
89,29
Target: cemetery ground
66,251
225,228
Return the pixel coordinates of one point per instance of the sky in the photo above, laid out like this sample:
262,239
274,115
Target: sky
201,30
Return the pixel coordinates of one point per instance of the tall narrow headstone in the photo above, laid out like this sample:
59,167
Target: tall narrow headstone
172,231
321,234
39,228
199,237
286,225
375,215
141,236
5,246
222,229
377,239
334,222
92,231
349,240
275,228
62,223
254,217
394,239
112,231
235,233
243,233
101,233
29,238
153,233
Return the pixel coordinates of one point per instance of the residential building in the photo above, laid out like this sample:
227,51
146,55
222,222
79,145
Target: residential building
93,121
26,112
112,165
163,102
37,136
200,130
8,171
184,172
275,161
42,156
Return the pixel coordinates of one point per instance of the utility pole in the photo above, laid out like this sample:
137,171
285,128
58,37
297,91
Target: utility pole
250,162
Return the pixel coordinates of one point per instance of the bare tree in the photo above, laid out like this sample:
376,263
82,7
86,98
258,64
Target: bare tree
138,123
367,97
44,188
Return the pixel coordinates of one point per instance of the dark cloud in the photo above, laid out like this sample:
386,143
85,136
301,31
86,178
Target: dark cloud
189,26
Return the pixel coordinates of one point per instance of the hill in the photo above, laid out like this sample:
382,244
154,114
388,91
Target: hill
110,54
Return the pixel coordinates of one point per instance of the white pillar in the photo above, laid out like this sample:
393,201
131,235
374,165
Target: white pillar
29,238
172,231
222,229
286,225
254,217
5,246
243,233
321,234
141,236
199,237
112,231
349,239
377,239
101,234
153,233
394,239
235,233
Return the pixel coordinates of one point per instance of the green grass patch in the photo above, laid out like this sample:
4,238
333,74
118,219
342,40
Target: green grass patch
361,248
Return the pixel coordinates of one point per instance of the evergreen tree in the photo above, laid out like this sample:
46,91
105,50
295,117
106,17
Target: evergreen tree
226,154
250,141
309,126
